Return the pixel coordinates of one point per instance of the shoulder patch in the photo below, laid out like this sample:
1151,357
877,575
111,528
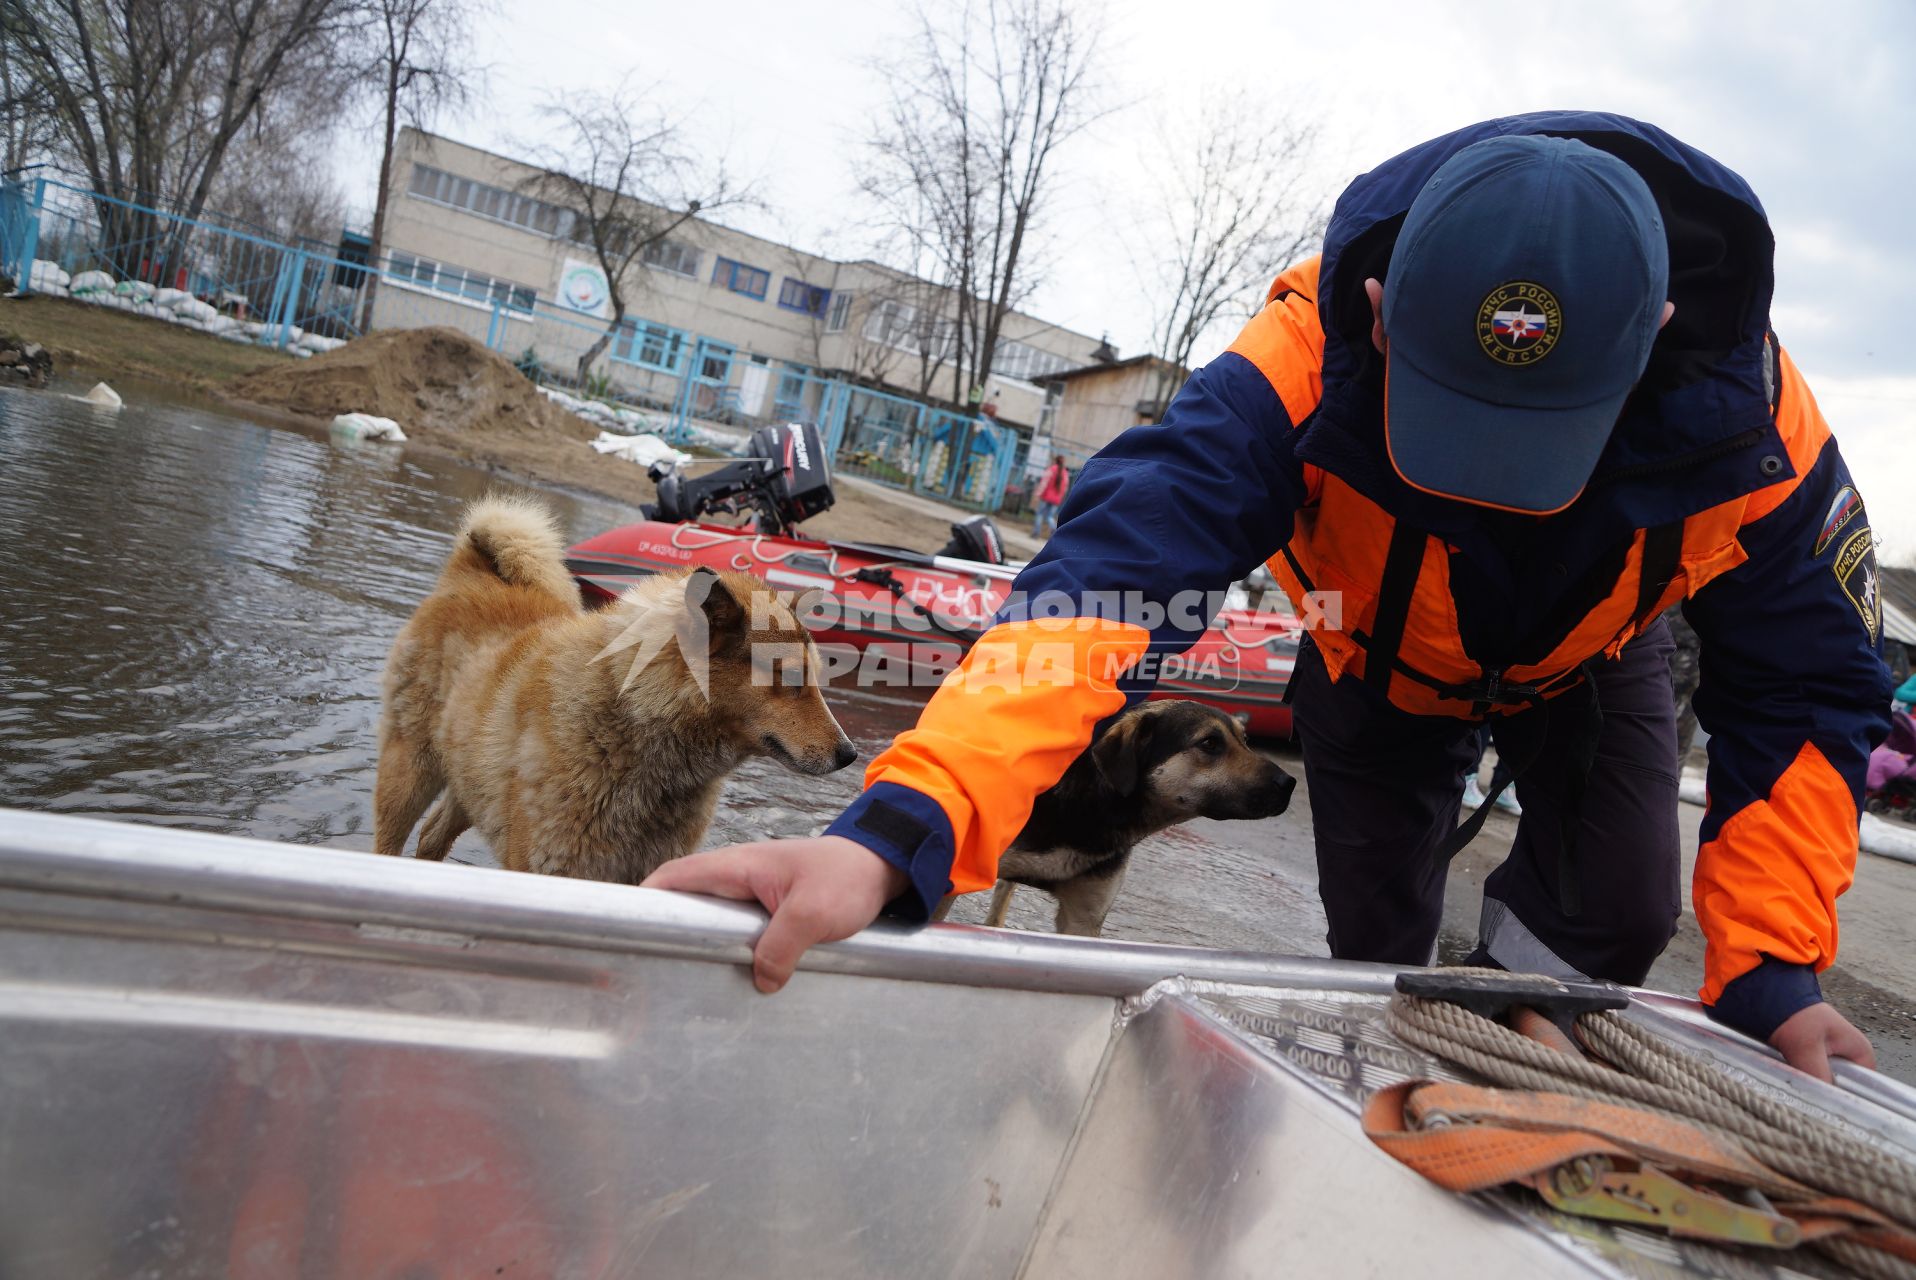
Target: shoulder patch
1855,570
1843,508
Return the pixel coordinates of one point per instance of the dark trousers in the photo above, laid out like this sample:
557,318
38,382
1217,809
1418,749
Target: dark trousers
1384,788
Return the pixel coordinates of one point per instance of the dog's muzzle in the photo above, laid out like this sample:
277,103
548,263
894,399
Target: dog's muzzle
1275,797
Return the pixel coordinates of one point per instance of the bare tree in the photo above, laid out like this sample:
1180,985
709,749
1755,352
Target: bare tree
963,160
624,173
418,62
904,332
278,183
149,97
26,109
1232,206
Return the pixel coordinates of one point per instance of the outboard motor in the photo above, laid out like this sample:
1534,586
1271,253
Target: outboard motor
975,539
789,480
802,485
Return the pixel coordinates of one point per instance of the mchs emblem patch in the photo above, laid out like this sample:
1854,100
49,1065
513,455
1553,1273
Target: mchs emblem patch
1519,323
1855,570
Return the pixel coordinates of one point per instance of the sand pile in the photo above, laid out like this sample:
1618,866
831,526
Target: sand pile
436,383
450,395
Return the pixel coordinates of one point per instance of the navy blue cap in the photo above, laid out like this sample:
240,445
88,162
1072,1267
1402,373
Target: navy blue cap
1524,293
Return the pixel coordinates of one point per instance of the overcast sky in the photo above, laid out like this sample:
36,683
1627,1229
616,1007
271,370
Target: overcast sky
1815,111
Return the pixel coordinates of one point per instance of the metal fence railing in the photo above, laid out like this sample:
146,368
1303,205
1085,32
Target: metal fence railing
242,286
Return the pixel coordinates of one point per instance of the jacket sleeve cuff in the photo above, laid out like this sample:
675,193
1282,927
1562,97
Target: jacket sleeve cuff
1760,1001
907,829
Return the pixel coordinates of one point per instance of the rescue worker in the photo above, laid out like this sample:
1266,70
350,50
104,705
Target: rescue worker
1525,399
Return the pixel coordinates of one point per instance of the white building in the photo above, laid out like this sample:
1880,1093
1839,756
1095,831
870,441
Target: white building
727,314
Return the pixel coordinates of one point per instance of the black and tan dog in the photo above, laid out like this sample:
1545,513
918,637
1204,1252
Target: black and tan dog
1159,764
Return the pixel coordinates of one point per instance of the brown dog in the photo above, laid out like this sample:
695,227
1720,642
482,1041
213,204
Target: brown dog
586,744
1159,764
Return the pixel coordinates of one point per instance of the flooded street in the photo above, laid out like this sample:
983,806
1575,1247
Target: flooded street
197,608
194,611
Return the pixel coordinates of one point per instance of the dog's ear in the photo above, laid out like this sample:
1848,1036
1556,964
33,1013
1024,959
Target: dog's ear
724,613
1119,754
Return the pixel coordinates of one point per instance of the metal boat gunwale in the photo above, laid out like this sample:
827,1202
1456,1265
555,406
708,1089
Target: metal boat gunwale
312,1029
449,903
171,866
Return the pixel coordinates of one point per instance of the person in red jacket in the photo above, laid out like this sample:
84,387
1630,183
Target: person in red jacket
1052,488
1525,400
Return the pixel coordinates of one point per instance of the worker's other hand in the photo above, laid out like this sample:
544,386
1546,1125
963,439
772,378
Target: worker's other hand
1811,1036
818,890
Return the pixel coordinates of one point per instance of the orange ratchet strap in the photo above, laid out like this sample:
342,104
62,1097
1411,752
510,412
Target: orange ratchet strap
1622,1164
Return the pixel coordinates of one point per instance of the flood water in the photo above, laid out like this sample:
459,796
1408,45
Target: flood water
194,610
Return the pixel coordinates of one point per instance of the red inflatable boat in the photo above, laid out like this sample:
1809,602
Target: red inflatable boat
887,617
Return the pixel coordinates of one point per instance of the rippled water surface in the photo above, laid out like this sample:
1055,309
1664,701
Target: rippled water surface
194,610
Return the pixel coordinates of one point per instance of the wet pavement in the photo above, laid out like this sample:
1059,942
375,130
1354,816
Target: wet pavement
194,610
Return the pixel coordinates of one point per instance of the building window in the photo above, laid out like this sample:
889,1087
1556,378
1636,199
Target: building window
715,362
407,267
796,295
740,278
650,346
496,203
1021,360
672,255
903,327
460,282
840,314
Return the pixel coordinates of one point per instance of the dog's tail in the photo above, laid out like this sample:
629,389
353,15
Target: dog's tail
514,539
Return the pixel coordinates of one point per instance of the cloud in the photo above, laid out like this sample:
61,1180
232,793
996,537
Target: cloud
1871,417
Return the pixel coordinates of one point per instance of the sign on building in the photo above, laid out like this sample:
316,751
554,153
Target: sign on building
582,287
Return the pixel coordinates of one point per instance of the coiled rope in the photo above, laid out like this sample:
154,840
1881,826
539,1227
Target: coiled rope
1649,1072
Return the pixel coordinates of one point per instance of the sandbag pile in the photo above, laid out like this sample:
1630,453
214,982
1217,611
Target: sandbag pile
175,306
643,449
615,418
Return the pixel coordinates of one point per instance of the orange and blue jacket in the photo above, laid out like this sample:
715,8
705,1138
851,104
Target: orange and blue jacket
1721,471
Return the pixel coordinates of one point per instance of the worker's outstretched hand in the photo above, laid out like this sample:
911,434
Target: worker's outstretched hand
818,890
1811,1036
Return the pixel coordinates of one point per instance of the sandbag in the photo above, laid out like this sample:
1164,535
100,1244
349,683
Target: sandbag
47,276
101,397
642,449
364,426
